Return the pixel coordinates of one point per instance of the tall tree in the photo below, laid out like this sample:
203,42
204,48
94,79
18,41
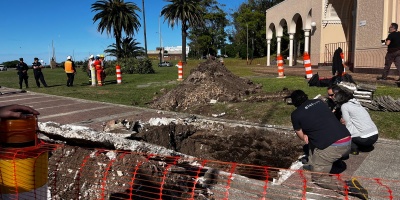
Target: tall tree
116,17
208,39
251,16
188,13
129,48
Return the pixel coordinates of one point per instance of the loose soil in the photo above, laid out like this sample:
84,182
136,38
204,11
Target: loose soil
211,80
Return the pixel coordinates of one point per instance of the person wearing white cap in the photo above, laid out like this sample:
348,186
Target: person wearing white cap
89,68
70,70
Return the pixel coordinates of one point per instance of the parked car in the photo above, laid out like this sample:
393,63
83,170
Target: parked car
164,64
3,68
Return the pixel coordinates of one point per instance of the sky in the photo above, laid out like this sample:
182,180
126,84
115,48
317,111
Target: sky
30,28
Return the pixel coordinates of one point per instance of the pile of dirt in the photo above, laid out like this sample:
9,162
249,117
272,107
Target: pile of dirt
211,80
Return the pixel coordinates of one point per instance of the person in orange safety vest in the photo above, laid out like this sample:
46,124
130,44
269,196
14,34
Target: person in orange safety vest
70,70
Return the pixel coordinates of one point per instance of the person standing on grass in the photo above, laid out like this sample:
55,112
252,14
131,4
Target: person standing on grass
37,72
22,73
89,68
103,74
393,51
364,132
99,70
70,70
328,140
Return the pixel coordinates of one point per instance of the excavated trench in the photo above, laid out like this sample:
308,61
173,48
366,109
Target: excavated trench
244,145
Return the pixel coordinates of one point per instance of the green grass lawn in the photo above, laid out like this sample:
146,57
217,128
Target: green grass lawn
139,89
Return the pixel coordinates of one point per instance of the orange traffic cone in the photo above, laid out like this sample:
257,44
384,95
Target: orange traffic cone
307,65
281,72
119,74
180,70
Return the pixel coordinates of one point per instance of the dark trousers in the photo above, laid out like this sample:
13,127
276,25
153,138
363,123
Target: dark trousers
23,77
39,76
389,59
89,75
358,143
70,80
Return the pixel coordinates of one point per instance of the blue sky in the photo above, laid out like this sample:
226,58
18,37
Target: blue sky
28,28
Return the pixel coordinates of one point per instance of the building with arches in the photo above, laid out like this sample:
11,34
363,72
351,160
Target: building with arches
357,26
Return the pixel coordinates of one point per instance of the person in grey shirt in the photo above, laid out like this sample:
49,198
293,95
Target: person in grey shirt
363,130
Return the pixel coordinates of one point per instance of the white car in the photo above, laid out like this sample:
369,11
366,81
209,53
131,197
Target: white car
164,64
3,68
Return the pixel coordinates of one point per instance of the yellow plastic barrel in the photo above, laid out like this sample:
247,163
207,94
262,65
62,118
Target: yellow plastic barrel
23,164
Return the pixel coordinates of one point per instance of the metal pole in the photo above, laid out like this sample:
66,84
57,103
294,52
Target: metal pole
144,25
247,40
159,35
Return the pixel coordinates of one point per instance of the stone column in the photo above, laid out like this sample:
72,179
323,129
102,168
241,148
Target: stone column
268,52
278,45
291,49
306,40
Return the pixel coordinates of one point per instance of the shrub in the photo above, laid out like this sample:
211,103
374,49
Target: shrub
133,66
109,71
145,67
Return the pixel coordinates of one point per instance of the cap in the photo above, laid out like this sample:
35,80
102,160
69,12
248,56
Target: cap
21,59
68,57
91,56
101,56
36,59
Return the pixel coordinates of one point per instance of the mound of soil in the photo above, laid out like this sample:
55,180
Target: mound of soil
211,80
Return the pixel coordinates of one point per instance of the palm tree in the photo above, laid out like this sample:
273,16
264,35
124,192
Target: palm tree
188,13
129,48
116,17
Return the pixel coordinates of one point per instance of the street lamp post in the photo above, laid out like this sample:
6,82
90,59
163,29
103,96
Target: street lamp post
247,41
159,34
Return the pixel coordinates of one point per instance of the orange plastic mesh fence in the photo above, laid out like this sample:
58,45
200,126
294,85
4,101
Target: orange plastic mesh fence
78,173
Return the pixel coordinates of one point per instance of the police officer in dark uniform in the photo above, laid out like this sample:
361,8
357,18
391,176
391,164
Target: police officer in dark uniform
393,51
37,72
22,73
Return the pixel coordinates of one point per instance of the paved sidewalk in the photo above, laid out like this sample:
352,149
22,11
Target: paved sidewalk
378,170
